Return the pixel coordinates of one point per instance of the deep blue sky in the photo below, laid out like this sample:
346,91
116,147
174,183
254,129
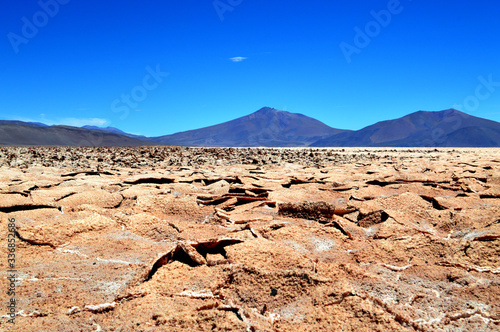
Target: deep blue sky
76,67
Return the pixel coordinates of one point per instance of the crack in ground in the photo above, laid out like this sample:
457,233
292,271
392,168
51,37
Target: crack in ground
26,207
33,242
192,254
150,181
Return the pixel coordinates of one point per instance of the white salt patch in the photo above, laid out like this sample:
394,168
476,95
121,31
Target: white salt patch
200,294
72,310
100,307
113,261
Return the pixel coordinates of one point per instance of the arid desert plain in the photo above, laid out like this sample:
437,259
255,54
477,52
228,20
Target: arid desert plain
249,239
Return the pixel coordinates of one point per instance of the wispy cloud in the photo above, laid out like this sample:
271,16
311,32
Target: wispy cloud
76,122
238,58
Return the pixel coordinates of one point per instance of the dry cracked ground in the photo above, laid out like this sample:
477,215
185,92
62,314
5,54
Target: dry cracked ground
222,239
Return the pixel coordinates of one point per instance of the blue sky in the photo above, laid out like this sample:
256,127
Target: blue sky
159,67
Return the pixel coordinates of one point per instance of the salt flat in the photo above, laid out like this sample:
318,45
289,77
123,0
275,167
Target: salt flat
259,239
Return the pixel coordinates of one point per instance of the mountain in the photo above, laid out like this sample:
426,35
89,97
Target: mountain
107,129
17,122
24,133
449,128
266,127
115,131
274,128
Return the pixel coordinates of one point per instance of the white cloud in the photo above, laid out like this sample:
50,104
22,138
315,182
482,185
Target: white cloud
76,122
238,58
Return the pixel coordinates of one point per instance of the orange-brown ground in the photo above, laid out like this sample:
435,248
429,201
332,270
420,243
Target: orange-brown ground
193,239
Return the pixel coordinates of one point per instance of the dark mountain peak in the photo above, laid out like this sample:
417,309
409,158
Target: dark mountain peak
437,115
266,127
450,128
267,110
270,112
453,112
446,112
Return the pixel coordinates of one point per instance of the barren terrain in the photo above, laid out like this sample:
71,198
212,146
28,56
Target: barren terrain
239,239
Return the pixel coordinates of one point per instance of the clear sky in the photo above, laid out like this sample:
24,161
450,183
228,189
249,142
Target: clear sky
346,63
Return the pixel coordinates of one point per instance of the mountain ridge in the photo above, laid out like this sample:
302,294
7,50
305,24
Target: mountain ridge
445,128
12,133
270,127
265,127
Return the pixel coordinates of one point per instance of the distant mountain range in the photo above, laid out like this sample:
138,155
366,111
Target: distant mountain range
275,128
26,133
